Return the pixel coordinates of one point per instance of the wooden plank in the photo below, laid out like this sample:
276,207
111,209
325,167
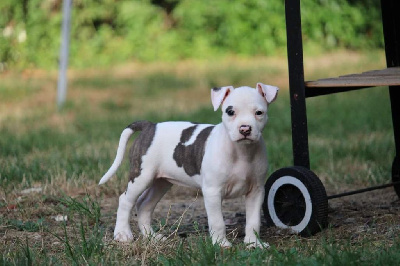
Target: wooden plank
384,77
375,73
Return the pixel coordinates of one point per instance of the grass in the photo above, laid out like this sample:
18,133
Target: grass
65,153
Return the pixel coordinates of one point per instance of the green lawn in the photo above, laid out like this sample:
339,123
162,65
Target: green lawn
65,153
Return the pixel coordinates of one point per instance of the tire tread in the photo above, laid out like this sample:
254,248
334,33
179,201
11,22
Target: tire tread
319,216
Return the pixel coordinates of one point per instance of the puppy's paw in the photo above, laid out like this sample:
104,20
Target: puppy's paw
123,236
156,237
257,244
160,237
224,243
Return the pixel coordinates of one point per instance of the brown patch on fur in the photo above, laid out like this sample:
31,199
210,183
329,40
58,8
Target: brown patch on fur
140,146
190,157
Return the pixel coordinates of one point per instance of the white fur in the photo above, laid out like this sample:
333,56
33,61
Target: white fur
233,165
120,155
217,97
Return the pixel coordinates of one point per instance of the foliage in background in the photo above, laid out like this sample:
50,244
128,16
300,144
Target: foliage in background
110,31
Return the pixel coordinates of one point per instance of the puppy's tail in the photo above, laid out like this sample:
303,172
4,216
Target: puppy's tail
120,154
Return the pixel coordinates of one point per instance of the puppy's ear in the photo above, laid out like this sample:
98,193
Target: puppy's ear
218,95
268,92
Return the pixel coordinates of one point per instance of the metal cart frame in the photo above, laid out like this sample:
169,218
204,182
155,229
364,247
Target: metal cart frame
307,185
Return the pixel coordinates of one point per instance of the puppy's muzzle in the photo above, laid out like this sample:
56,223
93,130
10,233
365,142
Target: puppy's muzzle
245,130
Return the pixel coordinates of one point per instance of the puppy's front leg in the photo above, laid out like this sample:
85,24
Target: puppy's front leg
254,201
216,224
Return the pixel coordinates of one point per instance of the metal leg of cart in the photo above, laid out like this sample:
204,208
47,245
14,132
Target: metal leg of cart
391,30
296,84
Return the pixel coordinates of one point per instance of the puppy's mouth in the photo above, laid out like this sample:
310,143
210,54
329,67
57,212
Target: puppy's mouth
245,140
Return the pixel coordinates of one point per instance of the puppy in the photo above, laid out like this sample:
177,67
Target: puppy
224,161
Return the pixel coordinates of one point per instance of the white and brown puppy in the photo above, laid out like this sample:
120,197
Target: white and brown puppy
224,161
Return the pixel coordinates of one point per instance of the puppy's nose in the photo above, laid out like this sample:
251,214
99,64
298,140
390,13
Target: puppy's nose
245,130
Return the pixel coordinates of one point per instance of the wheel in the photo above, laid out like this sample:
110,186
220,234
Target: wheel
296,199
396,175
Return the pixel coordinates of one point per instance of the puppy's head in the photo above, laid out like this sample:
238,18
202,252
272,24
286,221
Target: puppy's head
244,110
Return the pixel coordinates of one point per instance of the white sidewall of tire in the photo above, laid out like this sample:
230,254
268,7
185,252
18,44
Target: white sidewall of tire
290,180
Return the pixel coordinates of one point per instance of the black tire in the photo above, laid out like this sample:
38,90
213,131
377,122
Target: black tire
296,199
396,175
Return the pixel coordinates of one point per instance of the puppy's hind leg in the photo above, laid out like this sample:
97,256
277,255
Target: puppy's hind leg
147,202
122,231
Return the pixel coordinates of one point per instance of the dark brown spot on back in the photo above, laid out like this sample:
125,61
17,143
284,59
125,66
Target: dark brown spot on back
140,146
187,133
190,157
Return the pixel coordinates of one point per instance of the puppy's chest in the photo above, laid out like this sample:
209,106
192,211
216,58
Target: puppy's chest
241,179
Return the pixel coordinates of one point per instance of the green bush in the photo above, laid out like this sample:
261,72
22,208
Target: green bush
109,31
342,23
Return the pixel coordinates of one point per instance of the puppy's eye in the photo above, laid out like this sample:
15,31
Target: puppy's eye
229,111
259,113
